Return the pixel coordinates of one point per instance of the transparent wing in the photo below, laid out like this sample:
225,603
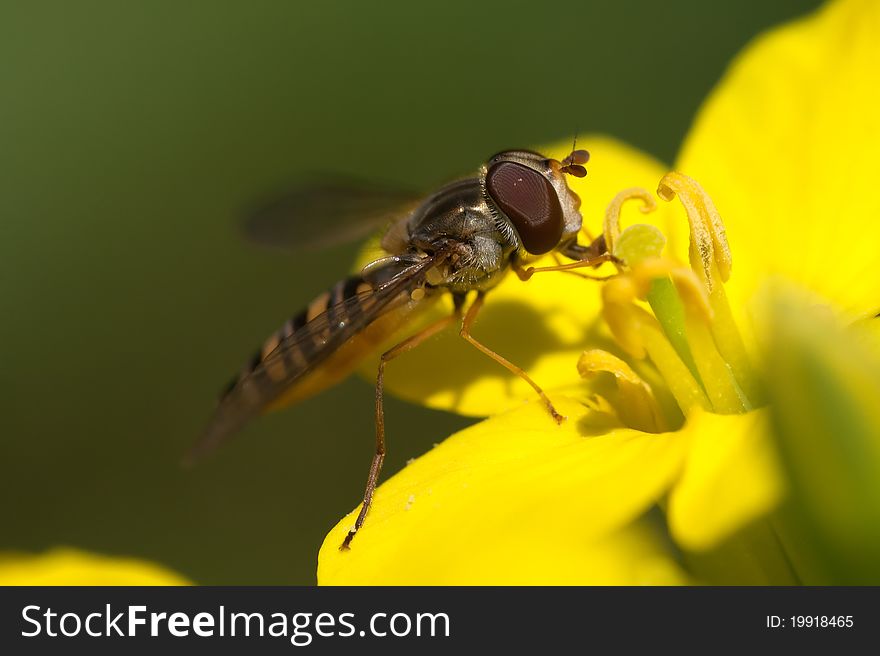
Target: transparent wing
320,337
326,212
299,350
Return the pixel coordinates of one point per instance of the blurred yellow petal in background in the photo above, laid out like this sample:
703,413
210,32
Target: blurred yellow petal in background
825,386
65,566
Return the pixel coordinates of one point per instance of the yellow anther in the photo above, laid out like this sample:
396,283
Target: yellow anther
611,227
638,407
620,290
709,245
622,315
597,360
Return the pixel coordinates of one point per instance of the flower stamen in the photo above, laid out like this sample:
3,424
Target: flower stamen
611,226
708,236
640,335
709,241
691,339
641,247
638,406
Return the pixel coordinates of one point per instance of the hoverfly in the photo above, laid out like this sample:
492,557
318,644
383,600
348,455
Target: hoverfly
463,238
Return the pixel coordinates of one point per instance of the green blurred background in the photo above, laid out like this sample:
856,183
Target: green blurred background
131,137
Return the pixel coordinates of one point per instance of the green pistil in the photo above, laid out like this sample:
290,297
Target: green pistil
642,242
669,310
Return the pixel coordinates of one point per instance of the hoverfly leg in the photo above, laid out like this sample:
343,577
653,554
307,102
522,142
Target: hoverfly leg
578,252
465,332
526,273
376,466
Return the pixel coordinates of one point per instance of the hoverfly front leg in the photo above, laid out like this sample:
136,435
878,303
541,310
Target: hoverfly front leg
526,273
376,466
584,256
465,332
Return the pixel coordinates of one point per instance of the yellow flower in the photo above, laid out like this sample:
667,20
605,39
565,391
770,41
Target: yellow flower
675,468
64,566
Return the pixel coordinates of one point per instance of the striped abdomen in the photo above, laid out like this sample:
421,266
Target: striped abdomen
319,346
303,337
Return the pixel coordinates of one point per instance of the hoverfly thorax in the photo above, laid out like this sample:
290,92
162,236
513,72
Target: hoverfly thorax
534,206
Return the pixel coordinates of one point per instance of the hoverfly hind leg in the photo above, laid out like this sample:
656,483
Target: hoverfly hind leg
379,457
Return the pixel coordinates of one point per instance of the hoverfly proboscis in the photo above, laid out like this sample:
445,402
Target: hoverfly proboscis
463,238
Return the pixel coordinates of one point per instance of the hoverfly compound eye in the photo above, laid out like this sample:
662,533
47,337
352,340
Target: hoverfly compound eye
530,202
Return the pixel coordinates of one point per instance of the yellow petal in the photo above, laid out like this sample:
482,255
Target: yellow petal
63,566
787,146
730,479
541,325
517,499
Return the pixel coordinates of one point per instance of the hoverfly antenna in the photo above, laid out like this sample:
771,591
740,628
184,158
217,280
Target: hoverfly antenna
573,164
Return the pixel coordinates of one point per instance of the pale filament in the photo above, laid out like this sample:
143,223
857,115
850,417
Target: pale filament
611,226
